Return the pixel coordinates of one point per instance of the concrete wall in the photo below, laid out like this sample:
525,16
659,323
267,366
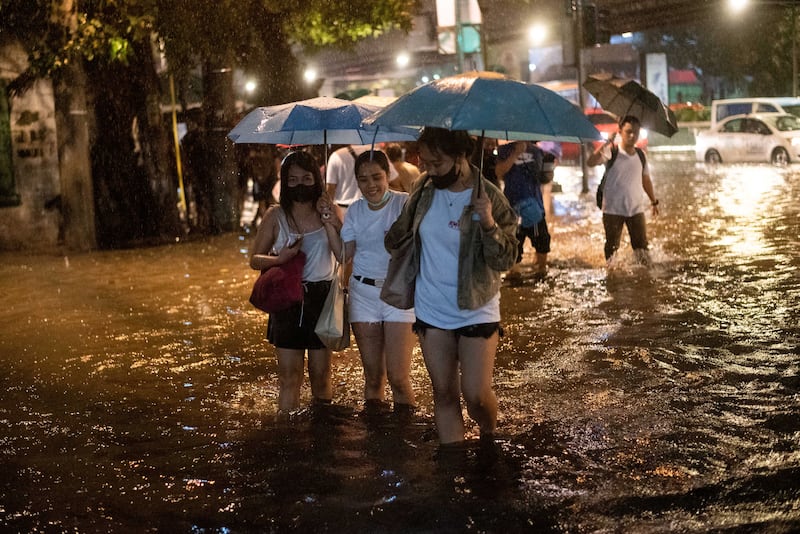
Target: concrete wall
35,162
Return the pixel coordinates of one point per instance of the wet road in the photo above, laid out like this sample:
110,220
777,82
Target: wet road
138,393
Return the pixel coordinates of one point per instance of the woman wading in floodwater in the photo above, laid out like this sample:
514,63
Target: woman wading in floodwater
464,232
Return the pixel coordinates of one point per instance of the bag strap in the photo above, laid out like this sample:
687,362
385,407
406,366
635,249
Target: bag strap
642,157
613,158
615,153
352,152
283,229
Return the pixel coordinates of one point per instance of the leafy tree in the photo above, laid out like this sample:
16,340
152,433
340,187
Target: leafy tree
742,55
116,41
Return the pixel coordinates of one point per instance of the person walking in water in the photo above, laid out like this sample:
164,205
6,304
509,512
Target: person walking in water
295,224
383,332
626,182
465,237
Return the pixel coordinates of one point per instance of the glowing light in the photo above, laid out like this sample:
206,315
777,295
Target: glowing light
403,59
310,74
537,33
250,86
737,5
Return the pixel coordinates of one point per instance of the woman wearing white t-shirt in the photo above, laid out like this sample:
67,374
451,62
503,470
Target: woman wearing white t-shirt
383,333
464,237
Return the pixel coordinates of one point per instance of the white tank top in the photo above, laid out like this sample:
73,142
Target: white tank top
320,261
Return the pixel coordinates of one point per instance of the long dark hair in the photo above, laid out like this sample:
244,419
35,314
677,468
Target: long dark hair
305,161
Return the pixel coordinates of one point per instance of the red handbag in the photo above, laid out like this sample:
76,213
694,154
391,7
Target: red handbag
280,286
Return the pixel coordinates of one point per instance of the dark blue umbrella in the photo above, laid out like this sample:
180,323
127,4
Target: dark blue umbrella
490,105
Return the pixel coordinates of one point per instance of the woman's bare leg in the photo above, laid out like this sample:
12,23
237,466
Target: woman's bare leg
398,348
369,338
440,350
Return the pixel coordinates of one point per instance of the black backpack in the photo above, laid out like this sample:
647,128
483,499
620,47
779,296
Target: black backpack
609,163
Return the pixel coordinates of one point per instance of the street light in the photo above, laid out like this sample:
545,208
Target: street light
537,33
403,59
737,6
310,75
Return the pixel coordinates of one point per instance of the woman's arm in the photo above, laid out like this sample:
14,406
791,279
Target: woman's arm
331,216
500,240
260,258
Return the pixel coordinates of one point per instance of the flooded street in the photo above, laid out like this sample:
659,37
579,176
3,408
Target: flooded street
138,392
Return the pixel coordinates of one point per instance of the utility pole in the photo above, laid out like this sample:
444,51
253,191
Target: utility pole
578,30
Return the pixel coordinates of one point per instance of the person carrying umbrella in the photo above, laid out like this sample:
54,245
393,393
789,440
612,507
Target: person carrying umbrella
627,176
299,223
464,234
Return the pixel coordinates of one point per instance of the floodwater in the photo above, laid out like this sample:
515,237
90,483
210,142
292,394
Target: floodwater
138,393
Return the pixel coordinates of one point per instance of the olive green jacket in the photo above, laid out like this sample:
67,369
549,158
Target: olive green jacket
482,256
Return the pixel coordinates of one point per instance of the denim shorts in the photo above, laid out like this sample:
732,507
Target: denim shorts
366,306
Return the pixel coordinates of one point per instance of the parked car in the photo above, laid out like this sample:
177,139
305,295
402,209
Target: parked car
607,124
763,137
728,107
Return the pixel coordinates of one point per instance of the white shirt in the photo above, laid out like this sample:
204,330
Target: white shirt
340,170
320,261
623,193
367,228
436,293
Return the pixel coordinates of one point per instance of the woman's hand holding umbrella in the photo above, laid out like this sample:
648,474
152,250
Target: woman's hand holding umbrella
483,208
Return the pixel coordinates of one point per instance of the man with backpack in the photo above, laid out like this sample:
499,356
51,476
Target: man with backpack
620,196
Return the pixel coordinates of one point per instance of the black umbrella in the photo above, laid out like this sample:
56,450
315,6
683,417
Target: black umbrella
624,96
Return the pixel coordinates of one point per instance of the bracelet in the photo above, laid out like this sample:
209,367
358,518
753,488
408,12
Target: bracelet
654,203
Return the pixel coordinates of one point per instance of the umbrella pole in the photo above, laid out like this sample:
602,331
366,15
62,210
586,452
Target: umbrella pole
374,137
481,149
480,174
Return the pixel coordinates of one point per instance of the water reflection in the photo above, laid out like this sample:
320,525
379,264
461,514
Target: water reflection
138,392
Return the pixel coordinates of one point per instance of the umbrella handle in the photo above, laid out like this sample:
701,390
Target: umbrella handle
480,183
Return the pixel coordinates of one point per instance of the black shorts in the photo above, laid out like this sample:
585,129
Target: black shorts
294,328
538,235
484,330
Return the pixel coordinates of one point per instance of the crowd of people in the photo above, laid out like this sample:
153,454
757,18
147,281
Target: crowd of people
467,214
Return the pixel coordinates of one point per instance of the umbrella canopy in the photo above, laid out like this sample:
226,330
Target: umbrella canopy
317,121
624,96
490,105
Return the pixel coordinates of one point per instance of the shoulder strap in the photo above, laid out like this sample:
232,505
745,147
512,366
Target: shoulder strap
283,233
642,157
613,158
352,152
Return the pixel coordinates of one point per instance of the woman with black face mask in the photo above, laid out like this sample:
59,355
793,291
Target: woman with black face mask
299,222
465,238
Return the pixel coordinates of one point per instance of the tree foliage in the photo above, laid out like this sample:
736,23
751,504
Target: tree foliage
749,55
118,43
106,30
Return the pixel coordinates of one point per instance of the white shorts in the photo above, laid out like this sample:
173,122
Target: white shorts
366,306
